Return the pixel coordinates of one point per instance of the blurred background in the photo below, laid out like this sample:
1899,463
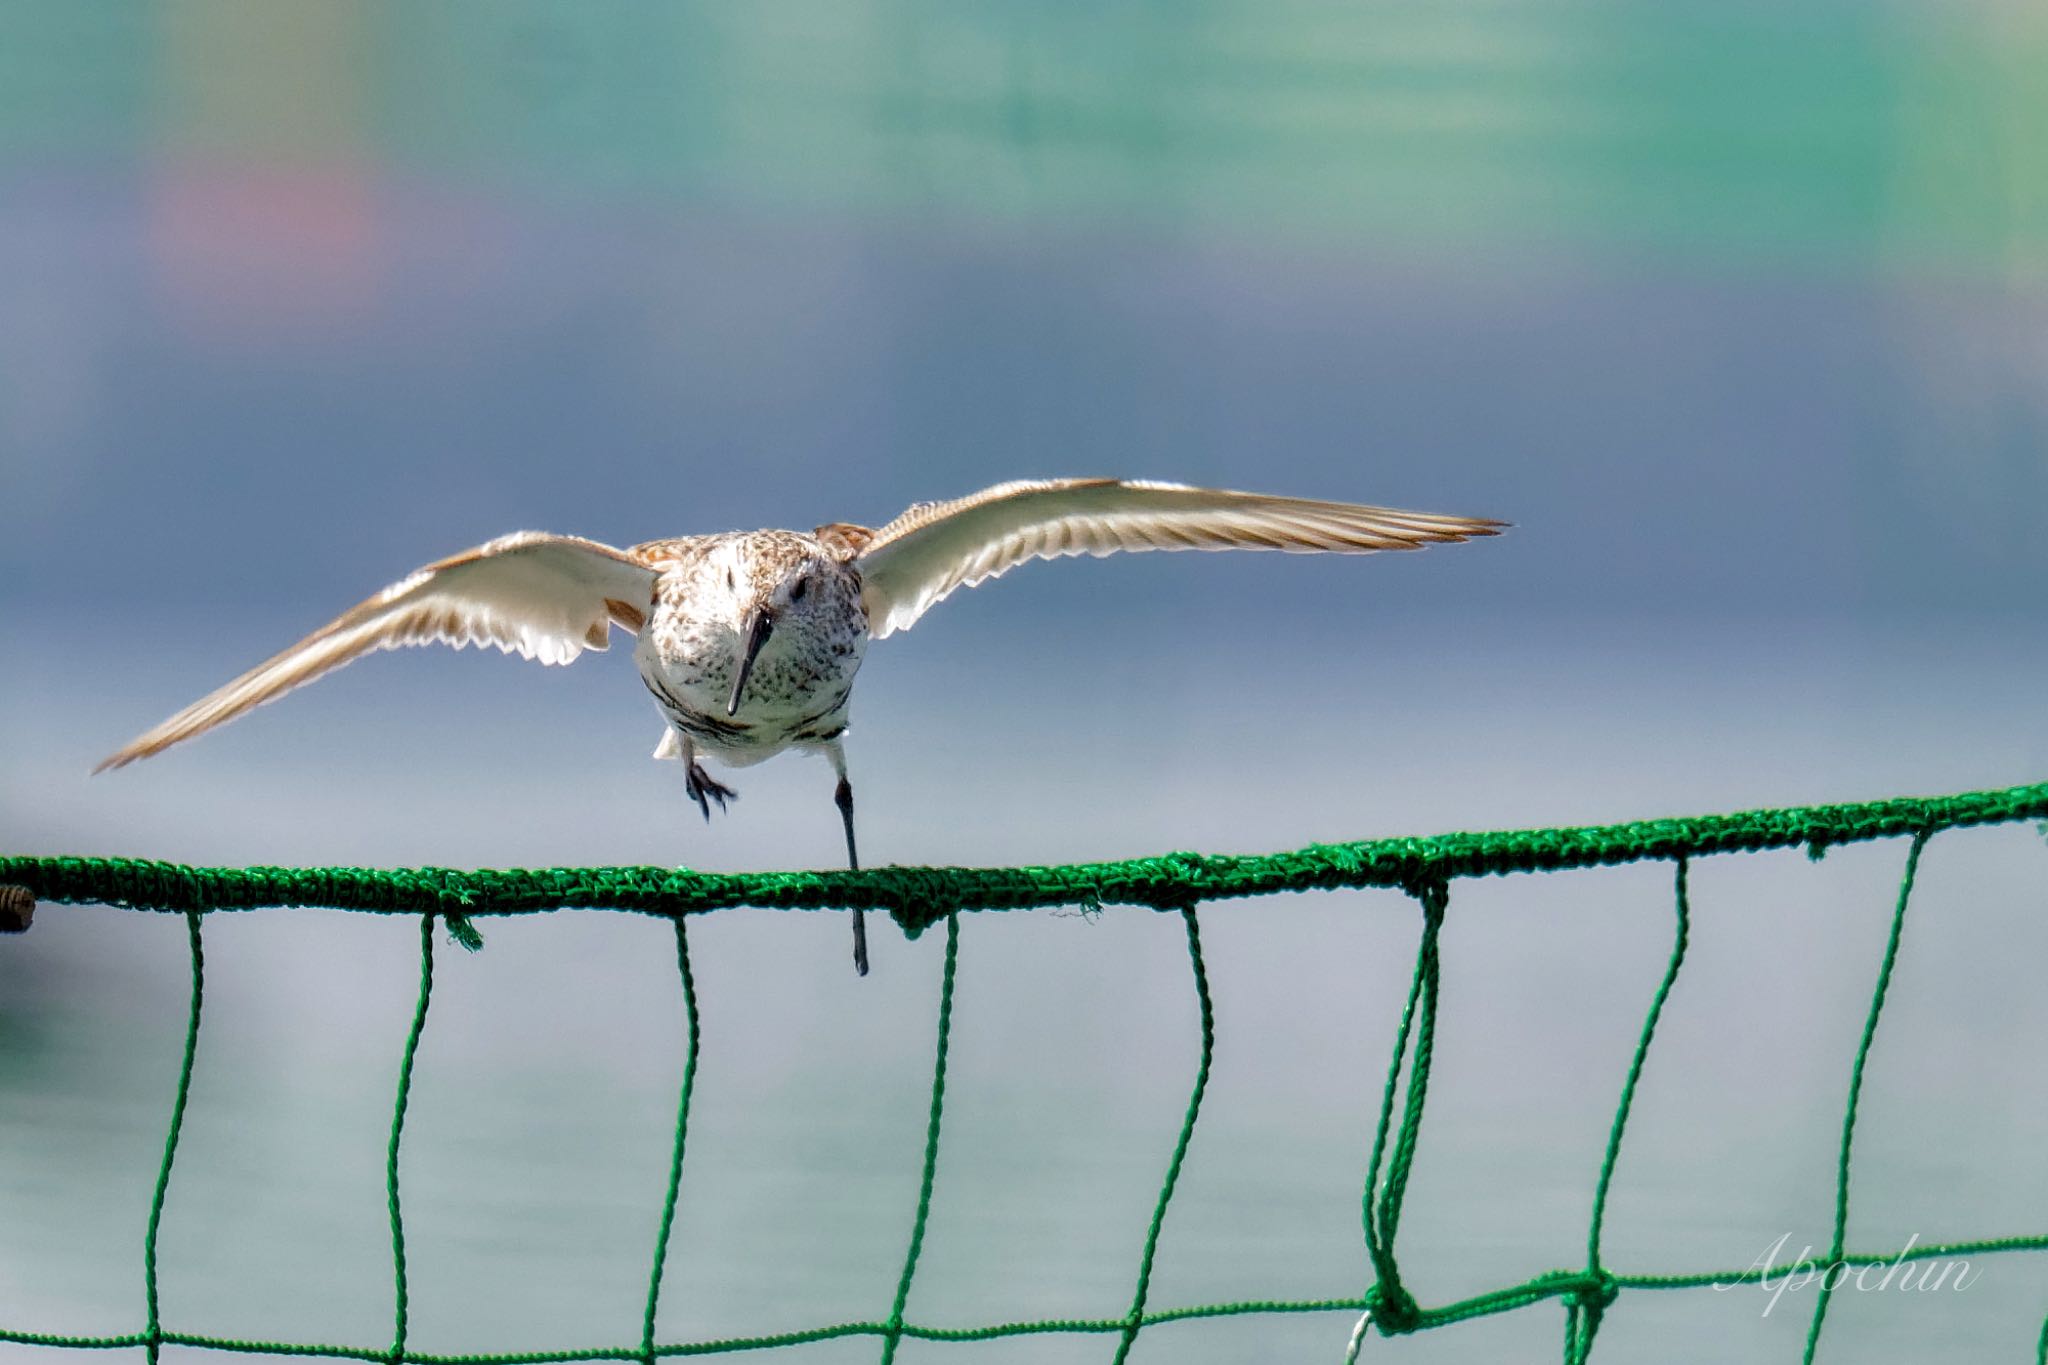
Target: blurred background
1736,310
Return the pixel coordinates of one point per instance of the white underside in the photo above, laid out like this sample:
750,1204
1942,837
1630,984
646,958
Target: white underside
769,733
670,746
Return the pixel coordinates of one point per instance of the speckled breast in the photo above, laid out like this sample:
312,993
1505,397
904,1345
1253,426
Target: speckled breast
796,693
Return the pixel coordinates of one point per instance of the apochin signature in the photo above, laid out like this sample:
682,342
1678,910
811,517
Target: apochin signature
1899,1273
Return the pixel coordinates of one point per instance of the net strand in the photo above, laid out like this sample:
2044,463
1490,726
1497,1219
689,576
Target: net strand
1584,1311
401,1289
153,1333
1393,1308
893,1335
1877,998
1435,900
675,1160
1134,1320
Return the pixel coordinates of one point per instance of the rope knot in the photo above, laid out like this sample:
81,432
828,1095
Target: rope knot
1430,888
921,895
1393,1309
1599,1293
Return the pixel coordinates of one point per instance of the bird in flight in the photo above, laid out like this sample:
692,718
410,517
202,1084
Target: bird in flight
749,641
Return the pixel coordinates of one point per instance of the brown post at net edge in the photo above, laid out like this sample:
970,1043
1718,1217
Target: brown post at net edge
17,909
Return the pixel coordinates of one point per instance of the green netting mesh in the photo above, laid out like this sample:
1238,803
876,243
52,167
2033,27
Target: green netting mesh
1179,883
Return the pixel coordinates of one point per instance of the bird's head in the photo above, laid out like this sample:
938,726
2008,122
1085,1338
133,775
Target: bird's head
769,586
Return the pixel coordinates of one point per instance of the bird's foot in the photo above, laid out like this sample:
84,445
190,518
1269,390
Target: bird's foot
704,789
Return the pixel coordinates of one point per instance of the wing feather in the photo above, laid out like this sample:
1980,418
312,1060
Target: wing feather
539,596
934,548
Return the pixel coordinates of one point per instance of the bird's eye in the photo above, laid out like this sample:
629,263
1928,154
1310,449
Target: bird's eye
730,582
796,594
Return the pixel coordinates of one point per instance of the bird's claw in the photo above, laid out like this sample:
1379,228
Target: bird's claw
704,789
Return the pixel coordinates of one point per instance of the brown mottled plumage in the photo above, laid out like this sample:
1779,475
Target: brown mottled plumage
749,641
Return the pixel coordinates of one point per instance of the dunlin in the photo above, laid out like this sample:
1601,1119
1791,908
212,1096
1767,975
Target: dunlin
749,640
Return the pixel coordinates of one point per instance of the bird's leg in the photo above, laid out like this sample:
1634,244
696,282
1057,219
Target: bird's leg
701,786
842,797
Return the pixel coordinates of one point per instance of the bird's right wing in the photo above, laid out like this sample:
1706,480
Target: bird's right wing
923,555
540,596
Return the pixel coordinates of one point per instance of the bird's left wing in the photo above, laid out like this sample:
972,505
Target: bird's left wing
541,596
934,548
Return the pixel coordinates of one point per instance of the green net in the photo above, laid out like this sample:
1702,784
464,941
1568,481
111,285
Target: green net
1176,883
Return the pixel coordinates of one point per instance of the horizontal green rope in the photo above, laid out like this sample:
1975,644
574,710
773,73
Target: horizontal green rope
1538,1289
920,896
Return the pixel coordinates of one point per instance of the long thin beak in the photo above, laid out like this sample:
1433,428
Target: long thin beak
759,626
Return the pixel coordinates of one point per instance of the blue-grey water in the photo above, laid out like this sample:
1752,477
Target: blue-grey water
1735,311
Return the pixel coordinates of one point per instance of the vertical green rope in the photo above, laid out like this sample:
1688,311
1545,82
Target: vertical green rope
2041,1346
894,1334
163,1172
1583,1313
1135,1318
1884,981
1393,1309
1435,898
401,1294
675,1161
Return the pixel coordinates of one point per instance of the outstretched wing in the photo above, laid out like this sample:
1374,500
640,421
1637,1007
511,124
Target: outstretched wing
934,548
544,597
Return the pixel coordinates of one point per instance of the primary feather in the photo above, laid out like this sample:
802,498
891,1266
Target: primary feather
923,555
540,596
